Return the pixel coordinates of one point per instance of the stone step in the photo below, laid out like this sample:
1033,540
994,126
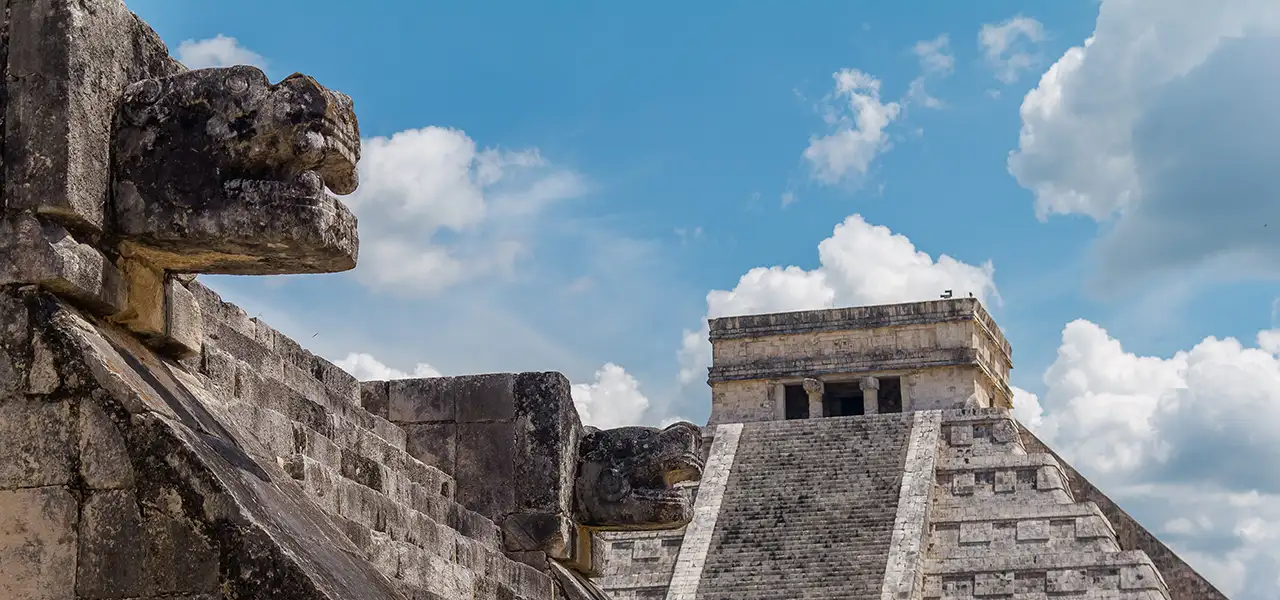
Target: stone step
433,523
1121,575
276,391
346,426
362,455
233,361
1016,478
809,508
296,366
416,582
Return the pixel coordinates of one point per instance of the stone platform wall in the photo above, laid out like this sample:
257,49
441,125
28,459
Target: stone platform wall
405,514
247,471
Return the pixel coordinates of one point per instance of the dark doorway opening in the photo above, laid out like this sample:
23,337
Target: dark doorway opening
796,402
842,400
889,400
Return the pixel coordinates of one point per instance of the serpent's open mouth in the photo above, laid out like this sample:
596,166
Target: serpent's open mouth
340,154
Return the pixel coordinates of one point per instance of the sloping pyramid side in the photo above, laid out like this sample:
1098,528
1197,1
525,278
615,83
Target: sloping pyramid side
1183,581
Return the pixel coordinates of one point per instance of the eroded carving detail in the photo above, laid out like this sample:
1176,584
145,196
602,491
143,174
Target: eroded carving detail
220,171
627,476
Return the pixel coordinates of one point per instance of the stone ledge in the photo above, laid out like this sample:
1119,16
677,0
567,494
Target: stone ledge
1000,461
45,254
852,364
843,319
1056,562
1011,512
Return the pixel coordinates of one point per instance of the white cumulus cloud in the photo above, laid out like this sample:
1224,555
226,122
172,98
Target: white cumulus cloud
614,399
1009,46
936,62
367,368
860,264
1183,442
1162,124
935,55
435,210
858,118
217,51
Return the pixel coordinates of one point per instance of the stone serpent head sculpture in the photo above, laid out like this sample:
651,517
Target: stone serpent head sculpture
220,171
628,477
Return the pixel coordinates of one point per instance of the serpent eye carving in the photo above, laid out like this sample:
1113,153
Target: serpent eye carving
138,98
237,83
143,93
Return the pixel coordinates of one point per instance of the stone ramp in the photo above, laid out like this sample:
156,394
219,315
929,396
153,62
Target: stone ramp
139,477
808,510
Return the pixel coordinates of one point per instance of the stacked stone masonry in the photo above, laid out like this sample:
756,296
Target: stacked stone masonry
941,354
161,444
639,564
1003,524
398,510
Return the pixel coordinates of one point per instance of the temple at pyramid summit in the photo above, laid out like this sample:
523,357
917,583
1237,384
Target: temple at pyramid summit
870,452
157,442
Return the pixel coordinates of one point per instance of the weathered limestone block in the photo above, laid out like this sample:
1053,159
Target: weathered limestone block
215,516
38,543
144,312
38,442
375,398
104,459
219,171
68,63
161,309
45,254
176,557
434,444
183,332
515,445
111,559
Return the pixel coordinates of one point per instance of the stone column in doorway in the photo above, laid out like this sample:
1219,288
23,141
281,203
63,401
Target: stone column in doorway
779,401
870,389
814,388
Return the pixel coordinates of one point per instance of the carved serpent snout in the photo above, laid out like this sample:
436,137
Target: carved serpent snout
234,120
627,477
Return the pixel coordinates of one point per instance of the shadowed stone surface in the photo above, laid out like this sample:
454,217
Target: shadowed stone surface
47,255
67,64
159,443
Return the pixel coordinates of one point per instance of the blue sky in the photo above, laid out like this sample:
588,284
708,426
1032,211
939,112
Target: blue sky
568,184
